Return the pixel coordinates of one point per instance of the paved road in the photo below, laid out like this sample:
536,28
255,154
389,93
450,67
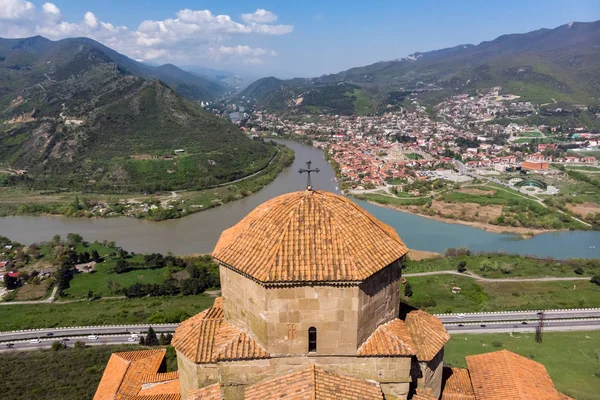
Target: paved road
47,343
481,278
52,333
529,327
531,315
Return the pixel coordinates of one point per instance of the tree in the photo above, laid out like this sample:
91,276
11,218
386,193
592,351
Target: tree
74,239
95,256
168,338
596,279
142,340
462,266
151,338
90,295
57,345
56,240
10,282
408,290
162,339
79,345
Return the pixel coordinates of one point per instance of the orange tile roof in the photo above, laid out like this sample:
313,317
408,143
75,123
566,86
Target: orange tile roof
172,396
125,373
390,339
309,236
421,334
167,387
424,394
314,383
212,392
207,338
505,375
457,384
428,334
160,377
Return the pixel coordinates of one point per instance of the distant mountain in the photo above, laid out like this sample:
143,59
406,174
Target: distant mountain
225,78
561,64
190,85
76,115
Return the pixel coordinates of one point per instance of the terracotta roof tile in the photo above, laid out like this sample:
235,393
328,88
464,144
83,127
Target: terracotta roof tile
424,394
421,334
314,383
428,334
309,236
457,384
172,396
165,387
505,375
212,392
389,339
160,377
124,374
207,338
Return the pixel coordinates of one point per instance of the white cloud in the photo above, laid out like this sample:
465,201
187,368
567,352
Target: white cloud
50,8
15,9
260,16
189,37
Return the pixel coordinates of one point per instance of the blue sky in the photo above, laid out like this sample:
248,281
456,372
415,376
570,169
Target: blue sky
284,38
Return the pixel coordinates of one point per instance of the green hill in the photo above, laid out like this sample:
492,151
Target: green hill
74,118
542,65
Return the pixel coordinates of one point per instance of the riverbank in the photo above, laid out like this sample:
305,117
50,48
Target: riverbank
154,207
525,233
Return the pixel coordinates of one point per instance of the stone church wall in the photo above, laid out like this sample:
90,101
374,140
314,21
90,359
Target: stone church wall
244,301
378,300
431,373
194,376
392,372
292,310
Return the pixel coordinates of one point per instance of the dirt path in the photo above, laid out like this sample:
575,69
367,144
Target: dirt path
482,279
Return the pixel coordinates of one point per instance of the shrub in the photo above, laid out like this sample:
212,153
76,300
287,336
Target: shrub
57,345
596,279
497,343
79,345
506,269
462,266
408,290
578,271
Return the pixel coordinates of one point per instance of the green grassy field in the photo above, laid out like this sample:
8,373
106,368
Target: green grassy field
96,281
531,134
434,294
504,266
571,358
102,312
585,168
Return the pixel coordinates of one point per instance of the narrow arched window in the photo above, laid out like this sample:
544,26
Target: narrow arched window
312,339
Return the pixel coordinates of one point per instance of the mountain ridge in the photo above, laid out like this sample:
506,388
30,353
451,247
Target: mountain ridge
558,63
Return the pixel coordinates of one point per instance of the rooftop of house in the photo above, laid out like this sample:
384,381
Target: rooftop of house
133,375
309,236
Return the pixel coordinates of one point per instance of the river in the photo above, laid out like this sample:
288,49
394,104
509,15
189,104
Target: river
198,233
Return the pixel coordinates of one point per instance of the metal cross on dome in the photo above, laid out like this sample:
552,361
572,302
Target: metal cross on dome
308,170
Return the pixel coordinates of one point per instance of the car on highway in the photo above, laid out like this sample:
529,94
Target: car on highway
93,337
461,324
524,323
49,334
131,339
35,341
482,325
460,315
10,345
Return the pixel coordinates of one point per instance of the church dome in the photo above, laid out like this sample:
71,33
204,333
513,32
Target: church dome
309,236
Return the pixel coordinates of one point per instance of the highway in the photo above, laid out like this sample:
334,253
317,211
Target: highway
555,325
71,332
46,343
517,315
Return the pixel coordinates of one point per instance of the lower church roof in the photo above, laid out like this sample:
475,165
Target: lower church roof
208,338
